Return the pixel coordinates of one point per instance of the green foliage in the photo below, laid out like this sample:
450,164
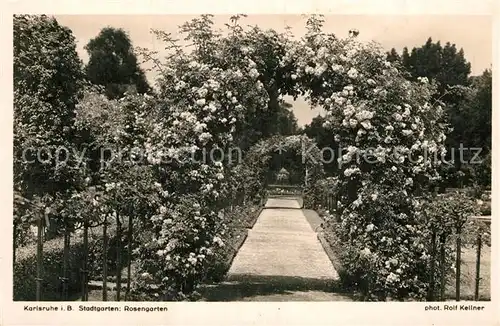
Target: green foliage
474,115
467,101
315,195
113,64
317,131
471,122
480,111
287,122
24,270
450,211
48,80
445,64
393,56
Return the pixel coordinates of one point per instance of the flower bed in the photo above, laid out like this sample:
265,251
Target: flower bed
239,220
445,216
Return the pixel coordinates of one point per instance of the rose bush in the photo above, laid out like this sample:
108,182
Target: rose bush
316,195
390,134
48,80
201,105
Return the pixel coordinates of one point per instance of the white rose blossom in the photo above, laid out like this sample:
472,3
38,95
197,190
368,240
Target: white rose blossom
352,73
254,73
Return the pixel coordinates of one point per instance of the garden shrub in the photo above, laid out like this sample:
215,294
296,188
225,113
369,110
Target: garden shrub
210,264
25,267
315,194
378,118
396,263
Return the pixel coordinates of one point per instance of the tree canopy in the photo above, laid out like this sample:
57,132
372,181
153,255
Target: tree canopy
446,64
113,63
467,99
48,82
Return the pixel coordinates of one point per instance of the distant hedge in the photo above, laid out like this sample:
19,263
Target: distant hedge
25,265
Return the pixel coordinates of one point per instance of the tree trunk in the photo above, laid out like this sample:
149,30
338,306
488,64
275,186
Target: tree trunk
478,268
443,266
64,278
105,259
457,265
85,261
430,296
39,258
129,251
118,257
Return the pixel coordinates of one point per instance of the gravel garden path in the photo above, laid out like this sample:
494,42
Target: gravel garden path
281,260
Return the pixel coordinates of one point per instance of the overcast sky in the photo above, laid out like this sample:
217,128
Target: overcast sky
472,33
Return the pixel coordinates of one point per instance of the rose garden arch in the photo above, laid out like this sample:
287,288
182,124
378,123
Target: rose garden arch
272,151
229,83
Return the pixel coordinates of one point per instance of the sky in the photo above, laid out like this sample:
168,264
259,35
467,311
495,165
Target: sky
472,33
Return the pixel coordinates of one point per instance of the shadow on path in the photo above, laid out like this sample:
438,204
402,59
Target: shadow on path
274,288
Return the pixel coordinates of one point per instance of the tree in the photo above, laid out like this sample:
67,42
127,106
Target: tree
468,119
481,111
405,57
323,137
113,63
316,131
445,65
48,79
281,121
286,122
471,122
393,56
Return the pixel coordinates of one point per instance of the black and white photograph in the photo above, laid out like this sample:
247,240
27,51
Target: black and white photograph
252,157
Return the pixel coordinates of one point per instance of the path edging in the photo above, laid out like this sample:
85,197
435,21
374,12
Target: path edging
242,241
330,253
256,217
236,249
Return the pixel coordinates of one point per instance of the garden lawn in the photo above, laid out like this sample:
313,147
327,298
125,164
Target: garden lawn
313,218
468,271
